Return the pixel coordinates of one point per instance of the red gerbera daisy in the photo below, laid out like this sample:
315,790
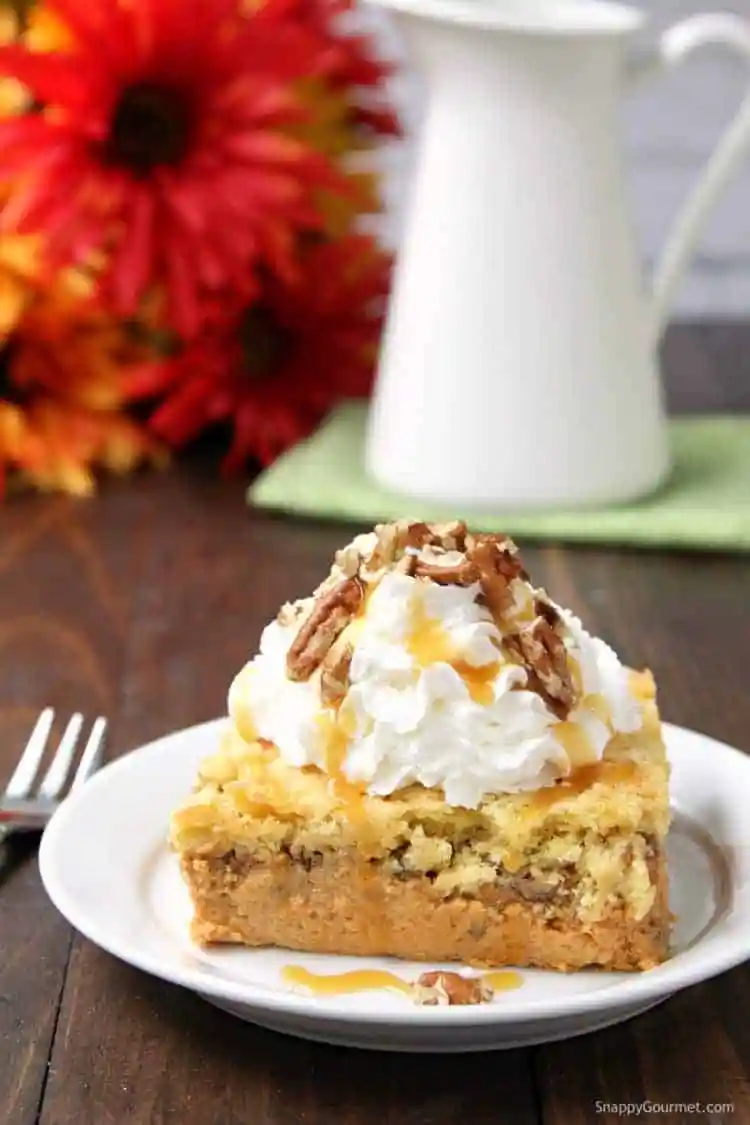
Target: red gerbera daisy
352,67
162,141
274,368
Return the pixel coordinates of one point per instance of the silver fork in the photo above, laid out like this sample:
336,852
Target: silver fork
24,807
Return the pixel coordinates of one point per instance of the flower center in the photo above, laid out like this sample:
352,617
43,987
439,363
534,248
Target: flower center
151,125
9,392
265,343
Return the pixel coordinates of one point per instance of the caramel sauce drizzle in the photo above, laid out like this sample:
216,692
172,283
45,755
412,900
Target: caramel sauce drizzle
611,773
575,743
340,984
370,980
246,727
503,980
597,705
428,643
572,735
337,727
243,718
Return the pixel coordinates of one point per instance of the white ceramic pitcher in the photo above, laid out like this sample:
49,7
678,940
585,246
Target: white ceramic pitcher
519,366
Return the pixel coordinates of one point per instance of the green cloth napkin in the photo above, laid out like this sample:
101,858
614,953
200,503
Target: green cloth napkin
704,505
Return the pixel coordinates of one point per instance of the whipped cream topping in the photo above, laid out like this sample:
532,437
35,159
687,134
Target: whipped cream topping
433,698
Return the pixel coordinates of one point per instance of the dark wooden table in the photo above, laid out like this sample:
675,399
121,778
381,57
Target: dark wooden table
141,605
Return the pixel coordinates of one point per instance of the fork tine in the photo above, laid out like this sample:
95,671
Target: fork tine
25,772
57,774
91,758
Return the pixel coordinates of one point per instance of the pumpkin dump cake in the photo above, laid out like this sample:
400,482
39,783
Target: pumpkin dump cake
431,759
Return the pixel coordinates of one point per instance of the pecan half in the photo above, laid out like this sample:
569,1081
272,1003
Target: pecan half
348,560
548,611
334,671
464,573
451,988
395,538
451,536
291,612
390,546
407,564
540,649
497,560
333,611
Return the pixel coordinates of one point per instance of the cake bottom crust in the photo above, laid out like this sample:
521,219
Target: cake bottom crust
361,909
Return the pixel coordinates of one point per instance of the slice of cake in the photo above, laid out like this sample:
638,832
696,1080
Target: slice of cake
431,759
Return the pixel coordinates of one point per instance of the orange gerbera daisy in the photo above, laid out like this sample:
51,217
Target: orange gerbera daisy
272,369
18,273
12,94
61,396
162,140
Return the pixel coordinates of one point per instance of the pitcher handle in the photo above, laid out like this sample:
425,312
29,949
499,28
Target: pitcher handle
674,47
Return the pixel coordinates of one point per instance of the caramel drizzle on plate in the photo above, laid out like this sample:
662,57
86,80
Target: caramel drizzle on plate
372,980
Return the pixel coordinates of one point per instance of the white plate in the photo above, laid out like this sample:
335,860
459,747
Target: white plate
106,866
